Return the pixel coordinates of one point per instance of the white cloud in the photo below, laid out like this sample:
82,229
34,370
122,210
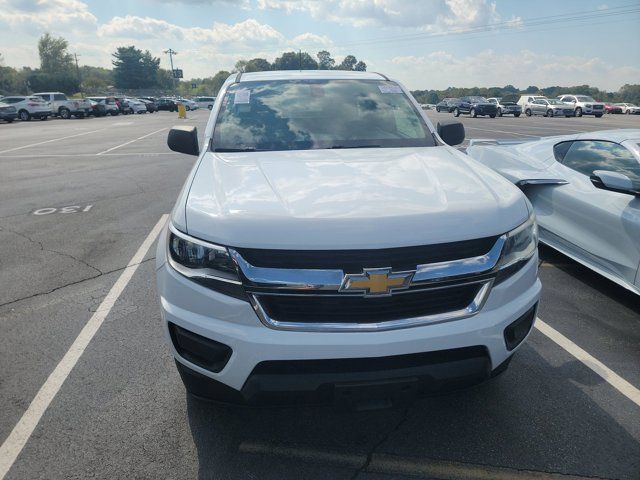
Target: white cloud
521,69
433,15
310,40
36,16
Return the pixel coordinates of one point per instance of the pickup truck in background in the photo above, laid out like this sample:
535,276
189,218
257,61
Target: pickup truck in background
63,107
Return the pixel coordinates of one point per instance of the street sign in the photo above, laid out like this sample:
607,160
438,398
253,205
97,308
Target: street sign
177,73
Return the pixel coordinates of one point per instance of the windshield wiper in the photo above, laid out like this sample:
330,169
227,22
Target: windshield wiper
355,146
229,150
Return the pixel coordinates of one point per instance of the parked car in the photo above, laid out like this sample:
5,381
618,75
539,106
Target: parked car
110,104
29,107
475,106
446,105
151,106
610,108
8,113
583,105
585,190
167,104
63,107
97,109
188,104
525,100
628,108
506,106
205,102
345,253
136,106
549,108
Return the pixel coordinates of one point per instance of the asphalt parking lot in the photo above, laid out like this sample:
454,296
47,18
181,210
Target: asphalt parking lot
78,200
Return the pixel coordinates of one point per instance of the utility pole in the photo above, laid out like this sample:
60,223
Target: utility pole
300,59
171,53
78,73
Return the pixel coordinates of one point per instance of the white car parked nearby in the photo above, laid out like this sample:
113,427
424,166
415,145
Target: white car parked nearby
585,189
628,108
29,107
64,107
348,252
583,105
205,102
525,101
136,106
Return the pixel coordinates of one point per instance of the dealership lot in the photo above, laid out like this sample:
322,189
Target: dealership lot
78,198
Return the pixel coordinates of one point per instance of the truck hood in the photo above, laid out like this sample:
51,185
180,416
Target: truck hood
338,199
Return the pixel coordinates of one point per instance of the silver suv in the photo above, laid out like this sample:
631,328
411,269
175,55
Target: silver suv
583,105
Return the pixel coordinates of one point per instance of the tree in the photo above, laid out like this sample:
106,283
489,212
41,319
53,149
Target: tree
134,69
325,62
240,66
348,63
257,65
54,57
360,66
532,89
295,61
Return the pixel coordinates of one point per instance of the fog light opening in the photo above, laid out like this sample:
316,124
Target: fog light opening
199,350
516,332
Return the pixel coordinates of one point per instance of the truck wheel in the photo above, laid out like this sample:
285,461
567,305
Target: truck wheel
456,112
527,112
578,112
64,113
549,113
472,113
24,115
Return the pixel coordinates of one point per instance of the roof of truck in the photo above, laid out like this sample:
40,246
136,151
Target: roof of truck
309,75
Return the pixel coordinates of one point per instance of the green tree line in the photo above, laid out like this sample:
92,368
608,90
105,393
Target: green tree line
134,69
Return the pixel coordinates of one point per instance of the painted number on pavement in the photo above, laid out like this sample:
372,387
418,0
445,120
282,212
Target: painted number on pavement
69,209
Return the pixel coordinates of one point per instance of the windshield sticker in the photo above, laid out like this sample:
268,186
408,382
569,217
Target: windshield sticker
242,96
390,89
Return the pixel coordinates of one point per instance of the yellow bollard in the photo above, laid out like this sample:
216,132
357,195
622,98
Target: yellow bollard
182,111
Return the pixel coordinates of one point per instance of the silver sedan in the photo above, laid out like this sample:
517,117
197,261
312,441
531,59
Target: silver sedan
585,190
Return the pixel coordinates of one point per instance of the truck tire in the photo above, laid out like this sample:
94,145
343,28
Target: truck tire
64,113
472,113
24,115
456,112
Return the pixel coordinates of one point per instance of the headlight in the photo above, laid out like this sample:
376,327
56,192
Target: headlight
521,243
205,263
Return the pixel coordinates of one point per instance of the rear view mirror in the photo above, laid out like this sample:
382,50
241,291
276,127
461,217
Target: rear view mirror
614,181
451,132
184,140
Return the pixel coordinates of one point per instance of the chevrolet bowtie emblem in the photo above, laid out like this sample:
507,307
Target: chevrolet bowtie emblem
376,281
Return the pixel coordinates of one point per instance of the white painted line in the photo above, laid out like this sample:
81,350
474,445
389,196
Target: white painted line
54,155
20,434
49,141
501,131
611,377
130,141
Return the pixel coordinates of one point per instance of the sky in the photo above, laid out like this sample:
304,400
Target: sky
426,44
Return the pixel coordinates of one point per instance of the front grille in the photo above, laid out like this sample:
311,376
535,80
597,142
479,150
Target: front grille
354,261
305,309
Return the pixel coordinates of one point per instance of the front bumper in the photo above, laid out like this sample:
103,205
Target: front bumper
234,323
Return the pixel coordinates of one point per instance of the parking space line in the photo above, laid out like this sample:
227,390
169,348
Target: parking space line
49,141
130,141
20,434
611,377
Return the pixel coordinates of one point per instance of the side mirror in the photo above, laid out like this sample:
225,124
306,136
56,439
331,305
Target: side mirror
451,132
184,140
614,181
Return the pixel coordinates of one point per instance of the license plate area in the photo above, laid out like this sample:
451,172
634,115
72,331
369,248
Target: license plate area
362,396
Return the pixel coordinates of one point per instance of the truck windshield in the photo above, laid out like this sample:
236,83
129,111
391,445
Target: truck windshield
314,114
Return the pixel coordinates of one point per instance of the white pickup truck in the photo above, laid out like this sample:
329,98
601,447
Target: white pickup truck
63,107
330,244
